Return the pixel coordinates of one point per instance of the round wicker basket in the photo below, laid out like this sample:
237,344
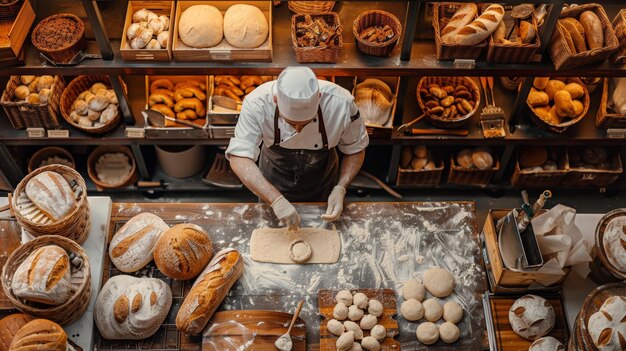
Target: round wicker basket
65,53
561,127
311,6
77,304
453,81
376,18
106,149
75,88
592,304
76,225
46,152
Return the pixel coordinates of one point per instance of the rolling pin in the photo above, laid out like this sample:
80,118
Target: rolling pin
459,132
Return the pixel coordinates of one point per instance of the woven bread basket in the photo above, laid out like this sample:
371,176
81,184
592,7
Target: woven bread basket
130,179
471,176
606,118
376,18
619,23
73,308
329,54
441,15
311,6
453,81
560,128
523,53
47,152
70,94
21,114
76,225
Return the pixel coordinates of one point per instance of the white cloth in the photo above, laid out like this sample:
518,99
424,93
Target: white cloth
256,124
297,92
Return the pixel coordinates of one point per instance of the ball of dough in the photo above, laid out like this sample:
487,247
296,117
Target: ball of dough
482,158
335,327
412,310
245,26
351,326
464,158
300,251
547,343
368,322
201,26
356,347
427,333
531,317
355,313
439,282
340,312
360,300
379,332
345,341
449,332
344,296
420,151
432,310
370,343
413,289
452,312
375,308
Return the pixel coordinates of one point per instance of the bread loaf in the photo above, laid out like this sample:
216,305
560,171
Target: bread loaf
464,15
374,98
129,308
482,27
44,276
208,291
9,326
201,26
593,29
51,193
607,327
577,37
40,335
183,251
245,26
132,247
531,317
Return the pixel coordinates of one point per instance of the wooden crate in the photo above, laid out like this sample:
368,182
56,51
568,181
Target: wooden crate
540,179
589,177
473,176
376,131
605,118
160,8
223,51
14,33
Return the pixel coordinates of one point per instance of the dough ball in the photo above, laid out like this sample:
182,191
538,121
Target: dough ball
432,310
370,343
375,308
379,332
464,158
420,151
201,26
439,282
427,333
368,322
300,251
351,326
335,327
356,347
340,312
345,341
482,158
452,312
360,300
547,343
413,289
531,317
449,332
245,26
412,310
344,296
355,313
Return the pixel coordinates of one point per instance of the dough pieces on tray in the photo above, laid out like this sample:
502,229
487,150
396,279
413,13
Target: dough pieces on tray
274,245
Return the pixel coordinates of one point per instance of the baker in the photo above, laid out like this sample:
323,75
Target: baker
301,122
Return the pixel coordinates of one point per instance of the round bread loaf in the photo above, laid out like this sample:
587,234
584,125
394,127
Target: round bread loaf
613,243
607,327
132,247
183,251
201,26
245,26
40,334
531,317
9,326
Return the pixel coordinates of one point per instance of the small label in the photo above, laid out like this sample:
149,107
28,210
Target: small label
616,133
35,132
58,133
221,55
135,133
464,63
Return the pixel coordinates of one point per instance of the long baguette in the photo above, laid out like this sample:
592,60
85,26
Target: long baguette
464,15
482,27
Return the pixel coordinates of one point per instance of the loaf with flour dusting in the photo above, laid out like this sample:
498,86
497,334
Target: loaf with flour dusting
40,335
130,308
51,193
607,327
44,276
183,251
482,27
463,16
132,247
208,291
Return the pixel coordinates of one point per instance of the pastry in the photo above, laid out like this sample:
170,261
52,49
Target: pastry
552,87
51,194
315,32
462,17
40,334
563,103
540,83
482,27
132,247
113,168
607,327
531,317
538,98
201,26
377,34
245,26
183,251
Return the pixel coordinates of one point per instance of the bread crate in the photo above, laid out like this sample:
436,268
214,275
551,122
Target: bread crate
384,131
581,175
472,176
160,8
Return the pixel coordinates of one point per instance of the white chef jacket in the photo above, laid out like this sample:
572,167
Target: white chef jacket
256,124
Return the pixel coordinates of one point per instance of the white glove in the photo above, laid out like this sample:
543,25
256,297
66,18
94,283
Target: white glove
286,213
335,204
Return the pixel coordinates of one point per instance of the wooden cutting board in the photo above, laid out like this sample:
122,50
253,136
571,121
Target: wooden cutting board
10,233
326,302
251,330
9,326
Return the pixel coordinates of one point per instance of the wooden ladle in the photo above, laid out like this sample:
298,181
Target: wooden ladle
284,343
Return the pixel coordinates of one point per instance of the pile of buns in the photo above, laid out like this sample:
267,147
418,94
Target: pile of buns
36,334
417,158
447,102
47,198
582,34
34,90
540,159
532,317
186,100
95,107
374,99
148,30
465,29
476,158
237,87
589,157
204,26
556,102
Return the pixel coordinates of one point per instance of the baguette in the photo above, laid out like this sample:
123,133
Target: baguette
482,27
208,291
577,37
463,16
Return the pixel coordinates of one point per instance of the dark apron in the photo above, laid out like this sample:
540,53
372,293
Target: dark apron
301,175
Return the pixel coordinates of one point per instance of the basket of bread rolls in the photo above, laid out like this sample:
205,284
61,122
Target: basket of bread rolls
49,277
516,44
619,23
50,155
112,167
473,166
539,166
316,37
89,103
311,6
419,167
376,32
448,102
593,166
583,35
33,101
556,104
52,200
147,34
612,110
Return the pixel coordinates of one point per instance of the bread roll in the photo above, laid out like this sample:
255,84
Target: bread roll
563,103
593,29
540,83
464,158
538,98
208,291
575,90
44,276
482,27
9,326
463,16
201,26
132,247
552,87
130,308
481,157
40,335
183,251
531,317
245,26
51,193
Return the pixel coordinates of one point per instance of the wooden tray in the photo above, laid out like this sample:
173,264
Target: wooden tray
160,8
326,302
10,232
258,330
14,32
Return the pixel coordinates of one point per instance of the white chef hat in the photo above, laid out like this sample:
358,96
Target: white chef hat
297,93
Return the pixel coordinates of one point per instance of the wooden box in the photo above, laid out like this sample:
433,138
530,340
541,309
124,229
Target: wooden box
473,176
14,33
606,118
160,8
593,177
223,51
539,179
377,131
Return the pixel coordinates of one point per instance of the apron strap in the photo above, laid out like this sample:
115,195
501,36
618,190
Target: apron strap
276,129
322,128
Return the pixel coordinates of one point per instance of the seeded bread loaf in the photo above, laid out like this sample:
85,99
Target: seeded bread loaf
183,251
40,335
482,27
51,193
132,247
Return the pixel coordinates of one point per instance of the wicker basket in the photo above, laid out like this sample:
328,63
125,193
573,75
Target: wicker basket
73,308
619,23
454,81
10,10
66,53
328,54
442,12
540,179
311,6
562,55
46,152
76,225
376,18
419,178
606,118
560,128
130,179
588,177
75,88
471,177
513,53
25,115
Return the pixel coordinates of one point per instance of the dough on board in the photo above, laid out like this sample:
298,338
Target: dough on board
299,251
273,245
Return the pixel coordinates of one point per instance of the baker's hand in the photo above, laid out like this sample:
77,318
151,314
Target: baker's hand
335,204
286,213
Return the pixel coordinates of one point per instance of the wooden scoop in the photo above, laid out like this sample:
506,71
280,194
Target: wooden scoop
284,342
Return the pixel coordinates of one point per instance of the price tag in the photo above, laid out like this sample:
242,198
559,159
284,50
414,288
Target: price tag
221,55
135,133
615,133
59,133
35,132
465,64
